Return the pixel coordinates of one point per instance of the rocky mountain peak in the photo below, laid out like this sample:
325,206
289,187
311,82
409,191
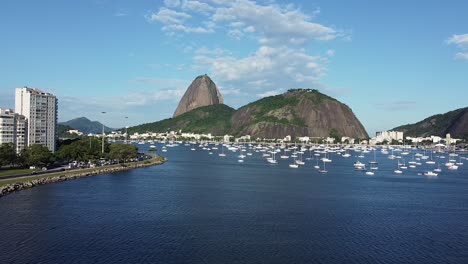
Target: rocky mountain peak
202,92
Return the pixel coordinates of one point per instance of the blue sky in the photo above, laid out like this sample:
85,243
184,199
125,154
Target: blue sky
392,62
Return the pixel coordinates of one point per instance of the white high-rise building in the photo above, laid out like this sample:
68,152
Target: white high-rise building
40,109
13,129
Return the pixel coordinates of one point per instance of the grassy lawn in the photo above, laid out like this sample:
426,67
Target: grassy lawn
14,172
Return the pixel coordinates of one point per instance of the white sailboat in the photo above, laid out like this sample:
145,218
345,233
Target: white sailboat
222,152
272,159
299,161
430,161
317,165
398,171
324,170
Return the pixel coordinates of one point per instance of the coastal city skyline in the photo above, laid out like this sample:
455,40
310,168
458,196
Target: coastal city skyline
136,60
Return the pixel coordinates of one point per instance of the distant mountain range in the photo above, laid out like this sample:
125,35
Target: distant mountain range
86,126
454,122
298,112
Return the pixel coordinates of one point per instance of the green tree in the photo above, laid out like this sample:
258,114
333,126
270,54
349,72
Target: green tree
336,135
82,150
7,154
122,152
37,155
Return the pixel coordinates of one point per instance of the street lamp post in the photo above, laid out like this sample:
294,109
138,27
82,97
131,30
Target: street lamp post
103,135
126,131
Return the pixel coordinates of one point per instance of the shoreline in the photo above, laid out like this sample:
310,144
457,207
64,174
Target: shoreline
32,181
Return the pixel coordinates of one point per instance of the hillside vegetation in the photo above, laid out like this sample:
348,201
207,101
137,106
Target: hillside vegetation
454,122
214,119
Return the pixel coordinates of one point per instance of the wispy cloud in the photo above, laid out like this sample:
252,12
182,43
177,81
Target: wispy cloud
461,41
120,14
269,93
461,55
146,94
174,21
172,3
197,6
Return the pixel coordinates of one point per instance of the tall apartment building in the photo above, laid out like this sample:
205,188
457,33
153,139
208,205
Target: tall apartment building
13,129
40,109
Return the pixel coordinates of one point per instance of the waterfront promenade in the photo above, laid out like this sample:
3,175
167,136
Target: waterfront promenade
10,185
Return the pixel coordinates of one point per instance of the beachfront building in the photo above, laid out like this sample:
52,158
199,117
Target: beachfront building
386,136
13,129
40,110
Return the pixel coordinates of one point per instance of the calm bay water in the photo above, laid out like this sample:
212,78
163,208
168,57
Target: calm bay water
200,208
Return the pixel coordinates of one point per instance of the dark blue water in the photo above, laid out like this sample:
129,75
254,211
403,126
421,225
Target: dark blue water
200,208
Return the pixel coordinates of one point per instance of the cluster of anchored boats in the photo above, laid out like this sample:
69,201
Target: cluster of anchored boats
406,158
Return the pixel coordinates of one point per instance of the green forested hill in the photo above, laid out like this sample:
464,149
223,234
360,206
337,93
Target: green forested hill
454,122
214,119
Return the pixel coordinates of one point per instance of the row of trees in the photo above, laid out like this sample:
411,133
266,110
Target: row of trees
81,150
34,155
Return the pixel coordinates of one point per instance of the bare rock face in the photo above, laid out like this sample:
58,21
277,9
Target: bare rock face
298,112
202,92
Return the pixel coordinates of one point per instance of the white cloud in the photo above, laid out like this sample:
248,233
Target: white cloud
275,23
173,21
269,67
168,16
461,56
235,34
330,53
221,2
230,91
187,29
197,6
259,83
172,3
237,24
462,42
269,93
249,29
459,40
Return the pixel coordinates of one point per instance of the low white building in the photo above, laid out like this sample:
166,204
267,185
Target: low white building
227,138
388,136
74,131
348,139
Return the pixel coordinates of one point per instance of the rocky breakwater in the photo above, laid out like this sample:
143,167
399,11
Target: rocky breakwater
71,175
